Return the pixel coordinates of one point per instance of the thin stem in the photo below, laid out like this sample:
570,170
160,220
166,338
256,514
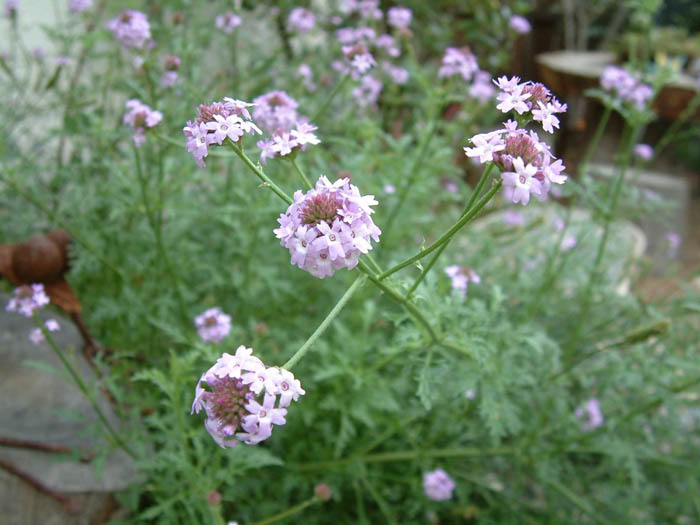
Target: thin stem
593,145
325,323
260,174
445,237
475,194
409,306
410,177
330,97
83,388
291,511
301,173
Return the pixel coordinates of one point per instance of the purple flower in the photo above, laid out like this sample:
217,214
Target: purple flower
275,110
282,143
389,189
367,92
461,276
228,22
482,89
590,415
230,393
300,20
131,28
38,53
328,227
644,152
398,75
139,117
36,336
213,325
399,17
437,485
27,298
627,87
62,61
458,61
519,24
215,123
305,72
518,183
674,243
78,6
531,97
513,218
168,79
568,242
470,393
359,58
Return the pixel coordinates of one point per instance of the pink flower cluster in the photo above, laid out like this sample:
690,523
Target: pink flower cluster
228,22
399,17
213,325
139,117
519,24
131,28
626,86
27,298
527,164
328,227
590,415
529,97
36,336
172,64
230,393
462,62
78,6
215,123
643,151
300,20
276,112
461,276
367,9
437,485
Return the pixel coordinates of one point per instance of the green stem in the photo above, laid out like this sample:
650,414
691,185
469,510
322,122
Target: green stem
291,511
409,178
84,389
301,173
260,174
330,97
475,194
445,237
408,455
593,145
629,139
325,323
409,306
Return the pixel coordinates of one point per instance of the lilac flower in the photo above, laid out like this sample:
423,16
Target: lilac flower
531,97
399,17
482,89
450,185
275,110
627,87
458,61
461,276
398,75
52,325
568,242
38,53
282,143
590,415
228,22
213,325
168,79
437,485
229,392
388,44
28,298
305,72
215,123
78,6
36,336
674,243
328,227
300,20
535,171
139,117
519,24
131,28
644,152
367,92
513,218
470,393
368,9
359,58
62,61
389,189
11,8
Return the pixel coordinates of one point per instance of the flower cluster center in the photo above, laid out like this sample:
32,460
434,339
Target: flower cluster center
320,208
227,398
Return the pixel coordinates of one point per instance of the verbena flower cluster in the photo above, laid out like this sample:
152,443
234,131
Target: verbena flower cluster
626,86
230,392
213,325
590,415
460,277
300,20
399,17
437,485
27,298
462,62
526,163
78,6
131,28
140,117
172,65
328,227
228,22
36,336
530,98
215,123
276,113
519,24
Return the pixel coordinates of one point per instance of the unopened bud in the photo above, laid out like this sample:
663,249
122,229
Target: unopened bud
323,492
213,498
